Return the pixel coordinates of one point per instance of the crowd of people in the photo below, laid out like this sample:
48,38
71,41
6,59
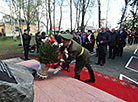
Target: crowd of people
98,41
80,46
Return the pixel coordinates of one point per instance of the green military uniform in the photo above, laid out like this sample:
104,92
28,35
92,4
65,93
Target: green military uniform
82,56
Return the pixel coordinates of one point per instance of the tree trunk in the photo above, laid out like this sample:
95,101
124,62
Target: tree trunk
71,15
99,13
54,15
47,20
60,17
49,12
83,16
123,15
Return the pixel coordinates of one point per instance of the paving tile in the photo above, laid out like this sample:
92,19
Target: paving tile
84,97
40,95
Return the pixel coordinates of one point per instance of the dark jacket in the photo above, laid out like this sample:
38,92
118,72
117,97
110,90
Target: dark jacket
121,39
26,39
105,37
58,38
113,40
77,39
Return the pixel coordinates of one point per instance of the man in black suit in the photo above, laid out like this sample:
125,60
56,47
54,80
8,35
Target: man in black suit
26,41
102,40
121,41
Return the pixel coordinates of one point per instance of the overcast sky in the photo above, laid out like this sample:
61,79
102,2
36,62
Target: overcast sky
114,14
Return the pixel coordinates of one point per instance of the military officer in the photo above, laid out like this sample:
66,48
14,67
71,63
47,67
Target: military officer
82,56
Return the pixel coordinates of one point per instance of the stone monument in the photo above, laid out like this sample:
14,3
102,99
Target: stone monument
16,83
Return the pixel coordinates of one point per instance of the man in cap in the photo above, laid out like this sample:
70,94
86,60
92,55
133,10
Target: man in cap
82,56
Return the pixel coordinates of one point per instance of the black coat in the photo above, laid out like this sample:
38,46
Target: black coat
26,39
121,39
105,37
58,38
113,40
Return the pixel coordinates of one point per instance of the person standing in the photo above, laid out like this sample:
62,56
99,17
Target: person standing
26,41
102,40
38,40
82,56
95,44
89,42
113,44
77,38
121,40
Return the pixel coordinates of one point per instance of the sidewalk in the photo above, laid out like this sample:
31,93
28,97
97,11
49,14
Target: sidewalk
62,88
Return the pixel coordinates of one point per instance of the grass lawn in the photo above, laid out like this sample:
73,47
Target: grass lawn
9,45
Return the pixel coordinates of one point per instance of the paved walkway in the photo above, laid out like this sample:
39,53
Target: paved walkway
62,88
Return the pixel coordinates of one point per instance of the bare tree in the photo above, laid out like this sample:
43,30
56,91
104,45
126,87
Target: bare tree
77,4
85,4
71,15
124,11
60,3
99,13
49,13
38,14
54,15
107,10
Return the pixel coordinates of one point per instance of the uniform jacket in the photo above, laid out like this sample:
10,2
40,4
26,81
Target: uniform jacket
75,49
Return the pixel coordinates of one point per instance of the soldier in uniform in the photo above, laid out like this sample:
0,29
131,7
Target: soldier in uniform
82,56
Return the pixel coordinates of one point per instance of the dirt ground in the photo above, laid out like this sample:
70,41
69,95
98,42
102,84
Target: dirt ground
16,54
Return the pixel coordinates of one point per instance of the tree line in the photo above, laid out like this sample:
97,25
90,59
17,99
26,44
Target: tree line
35,11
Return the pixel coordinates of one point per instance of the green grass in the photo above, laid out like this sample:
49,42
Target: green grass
9,45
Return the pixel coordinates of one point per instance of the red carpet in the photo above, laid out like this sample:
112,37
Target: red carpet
121,89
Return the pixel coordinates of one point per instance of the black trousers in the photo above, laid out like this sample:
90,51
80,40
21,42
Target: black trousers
80,64
26,51
120,51
112,51
101,57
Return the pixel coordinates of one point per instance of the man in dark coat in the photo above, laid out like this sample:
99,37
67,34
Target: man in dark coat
82,56
58,37
77,38
38,40
121,41
89,42
113,44
26,41
102,40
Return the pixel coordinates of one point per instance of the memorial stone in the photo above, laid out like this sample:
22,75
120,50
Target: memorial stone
16,83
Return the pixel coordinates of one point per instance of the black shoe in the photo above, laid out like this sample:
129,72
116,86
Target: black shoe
90,80
68,70
97,63
101,64
27,59
113,58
